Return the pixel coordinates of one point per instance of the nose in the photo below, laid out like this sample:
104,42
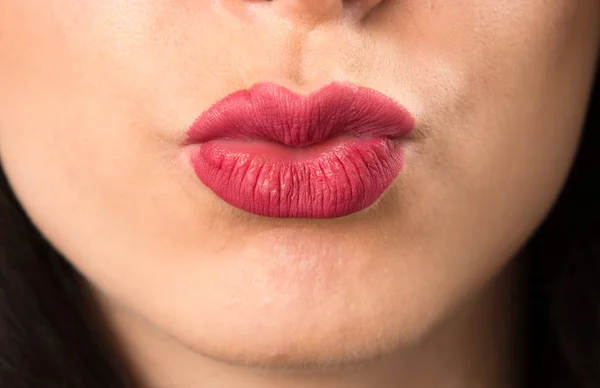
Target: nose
313,12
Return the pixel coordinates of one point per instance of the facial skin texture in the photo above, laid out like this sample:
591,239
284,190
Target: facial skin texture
95,100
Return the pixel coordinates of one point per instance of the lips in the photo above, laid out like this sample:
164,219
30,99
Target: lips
275,153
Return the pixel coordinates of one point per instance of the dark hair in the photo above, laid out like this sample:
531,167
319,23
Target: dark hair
52,336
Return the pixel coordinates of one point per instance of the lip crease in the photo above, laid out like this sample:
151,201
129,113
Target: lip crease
275,153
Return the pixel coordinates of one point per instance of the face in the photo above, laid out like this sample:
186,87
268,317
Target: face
97,98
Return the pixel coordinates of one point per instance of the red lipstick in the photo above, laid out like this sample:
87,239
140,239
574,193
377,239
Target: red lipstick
275,153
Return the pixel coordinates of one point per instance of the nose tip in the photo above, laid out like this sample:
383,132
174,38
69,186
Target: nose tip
314,12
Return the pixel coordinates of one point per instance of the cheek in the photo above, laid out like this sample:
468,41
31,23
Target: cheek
511,122
68,119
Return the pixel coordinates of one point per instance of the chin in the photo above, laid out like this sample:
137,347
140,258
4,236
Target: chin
304,312
312,344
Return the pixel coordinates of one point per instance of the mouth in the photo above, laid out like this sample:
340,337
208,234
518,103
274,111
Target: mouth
274,153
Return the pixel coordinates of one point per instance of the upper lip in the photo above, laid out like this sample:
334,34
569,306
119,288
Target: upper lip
271,112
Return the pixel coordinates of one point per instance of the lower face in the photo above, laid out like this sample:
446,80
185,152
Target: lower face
97,98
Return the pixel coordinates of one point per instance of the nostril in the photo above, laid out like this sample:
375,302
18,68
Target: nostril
314,12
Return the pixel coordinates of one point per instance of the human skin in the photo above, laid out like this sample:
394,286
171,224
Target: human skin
96,99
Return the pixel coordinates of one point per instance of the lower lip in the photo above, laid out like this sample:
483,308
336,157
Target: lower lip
335,178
